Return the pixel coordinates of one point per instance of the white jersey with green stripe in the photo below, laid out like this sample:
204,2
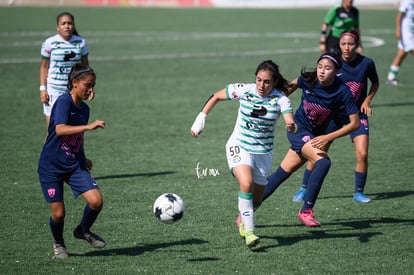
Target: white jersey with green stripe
257,116
62,55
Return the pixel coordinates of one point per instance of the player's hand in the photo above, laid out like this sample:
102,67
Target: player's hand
198,125
88,164
292,128
366,109
44,97
320,142
97,124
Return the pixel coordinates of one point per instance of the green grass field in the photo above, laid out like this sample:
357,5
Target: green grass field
155,68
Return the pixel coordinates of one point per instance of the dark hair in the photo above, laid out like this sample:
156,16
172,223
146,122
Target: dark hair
311,77
280,82
79,71
352,33
65,13
333,57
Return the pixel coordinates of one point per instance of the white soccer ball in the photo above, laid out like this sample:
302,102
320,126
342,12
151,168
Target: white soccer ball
168,208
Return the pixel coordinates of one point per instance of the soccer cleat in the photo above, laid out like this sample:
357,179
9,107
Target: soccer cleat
60,251
251,239
90,237
361,197
308,218
298,196
393,82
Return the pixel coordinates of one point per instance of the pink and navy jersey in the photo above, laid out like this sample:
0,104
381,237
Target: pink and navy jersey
62,154
319,105
355,75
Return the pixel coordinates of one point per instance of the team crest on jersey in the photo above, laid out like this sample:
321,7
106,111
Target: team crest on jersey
273,100
234,95
51,192
236,159
306,138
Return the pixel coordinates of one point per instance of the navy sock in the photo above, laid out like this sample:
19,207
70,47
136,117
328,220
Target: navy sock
360,180
315,182
89,217
276,179
305,179
57,231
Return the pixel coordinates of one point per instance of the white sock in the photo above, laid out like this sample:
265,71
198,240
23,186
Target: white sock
246,210
392,74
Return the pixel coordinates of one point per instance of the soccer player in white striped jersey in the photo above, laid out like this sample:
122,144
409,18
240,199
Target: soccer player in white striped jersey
250,147
404,32
58,54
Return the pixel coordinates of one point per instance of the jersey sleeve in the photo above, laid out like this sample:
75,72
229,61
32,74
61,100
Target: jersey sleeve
404,6
300,82
60,111
85,49
285,105
236,90
372,72
330,16
45,50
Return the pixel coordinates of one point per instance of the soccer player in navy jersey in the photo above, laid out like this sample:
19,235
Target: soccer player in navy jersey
63,160
356,71
323,95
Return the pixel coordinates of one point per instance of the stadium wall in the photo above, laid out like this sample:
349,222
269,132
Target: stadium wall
199,3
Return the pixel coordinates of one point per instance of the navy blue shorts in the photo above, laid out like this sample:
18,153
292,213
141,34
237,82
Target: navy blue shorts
79,180
363,128
299,139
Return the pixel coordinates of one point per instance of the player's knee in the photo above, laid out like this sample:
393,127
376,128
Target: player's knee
324,163
58,215
96,205
362,156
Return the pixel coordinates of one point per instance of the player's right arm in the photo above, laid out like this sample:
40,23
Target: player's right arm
293,85
200,120
322,39
44,67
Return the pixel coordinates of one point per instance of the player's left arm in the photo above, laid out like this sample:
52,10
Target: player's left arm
366,104
290,122
373,78
287,113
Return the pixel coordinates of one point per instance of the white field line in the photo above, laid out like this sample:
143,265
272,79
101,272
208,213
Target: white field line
11,39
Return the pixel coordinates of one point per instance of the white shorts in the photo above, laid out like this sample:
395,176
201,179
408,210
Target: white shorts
406,42
54,92
260,163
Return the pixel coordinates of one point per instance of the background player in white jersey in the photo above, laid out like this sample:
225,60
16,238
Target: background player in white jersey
404,32
250,147
58,54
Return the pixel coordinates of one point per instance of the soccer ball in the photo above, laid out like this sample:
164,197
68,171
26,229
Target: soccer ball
168,208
